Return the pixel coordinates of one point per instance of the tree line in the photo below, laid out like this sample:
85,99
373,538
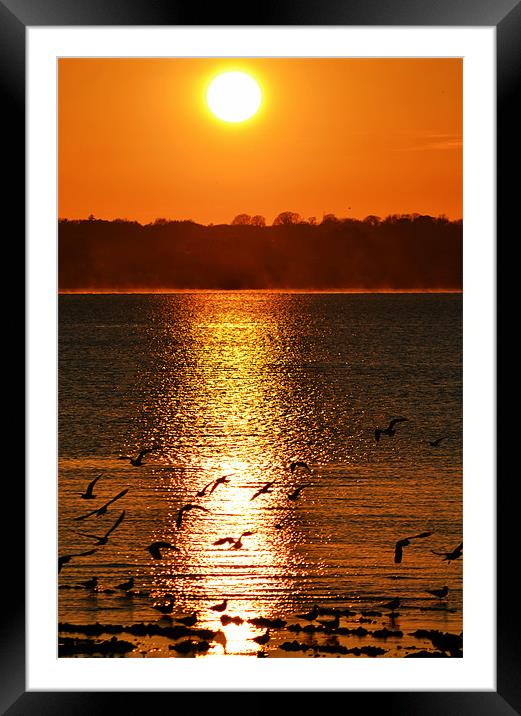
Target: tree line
398,252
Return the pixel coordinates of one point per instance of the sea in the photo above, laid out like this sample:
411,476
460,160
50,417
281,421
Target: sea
241,385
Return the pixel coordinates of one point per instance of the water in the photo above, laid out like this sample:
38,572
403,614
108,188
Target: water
242,384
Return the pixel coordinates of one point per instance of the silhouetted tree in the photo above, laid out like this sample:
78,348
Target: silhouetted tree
285,218
330,219
242,220
372,220
258,220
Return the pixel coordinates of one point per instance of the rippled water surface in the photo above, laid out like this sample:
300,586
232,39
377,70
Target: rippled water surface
241,384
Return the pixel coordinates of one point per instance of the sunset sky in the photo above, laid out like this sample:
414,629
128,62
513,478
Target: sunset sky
346,136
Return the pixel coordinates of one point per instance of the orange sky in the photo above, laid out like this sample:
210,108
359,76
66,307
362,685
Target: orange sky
381,136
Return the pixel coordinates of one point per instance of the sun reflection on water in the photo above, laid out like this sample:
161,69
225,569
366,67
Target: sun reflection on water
234,404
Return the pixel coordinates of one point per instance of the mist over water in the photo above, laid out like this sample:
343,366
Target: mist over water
241,384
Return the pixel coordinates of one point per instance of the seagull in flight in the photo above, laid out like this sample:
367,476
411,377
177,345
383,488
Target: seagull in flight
214,484
389,430
294,465
156,547
202,492
235,543
103,509
220,481
187,508
105,538
296,494
88,494
405,543
439,593
450,556
136,461
264,490
435,443
65,558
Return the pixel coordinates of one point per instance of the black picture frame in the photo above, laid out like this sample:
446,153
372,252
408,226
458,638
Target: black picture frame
505,16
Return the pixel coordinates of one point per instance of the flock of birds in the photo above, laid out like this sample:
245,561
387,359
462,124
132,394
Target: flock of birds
157,549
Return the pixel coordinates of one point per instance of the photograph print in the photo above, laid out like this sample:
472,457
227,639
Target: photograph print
260,358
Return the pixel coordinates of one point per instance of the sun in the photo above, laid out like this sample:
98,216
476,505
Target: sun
234,96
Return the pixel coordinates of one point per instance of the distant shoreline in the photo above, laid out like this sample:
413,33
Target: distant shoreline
167,292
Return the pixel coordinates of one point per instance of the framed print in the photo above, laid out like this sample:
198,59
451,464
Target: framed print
255,252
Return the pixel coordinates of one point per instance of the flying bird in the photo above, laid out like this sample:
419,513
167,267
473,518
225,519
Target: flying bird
435,443
187,508
450,556
65,558
405,543
238,543
439,593
296,494
220,607
103,509
105,538
136,461
264,490
389,430
293,466
88,494
156,547
220,481
202,492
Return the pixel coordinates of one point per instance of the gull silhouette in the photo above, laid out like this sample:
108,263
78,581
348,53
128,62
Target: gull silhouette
389,430
187,508
439,593
296,494
435,443
156,547
165,608
90,583
88,494
264,490
105,538
263,638
450,556
298,463
214,484
136,461
126,586
188,621
392,605
66,558
405,543
220,481
103,509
